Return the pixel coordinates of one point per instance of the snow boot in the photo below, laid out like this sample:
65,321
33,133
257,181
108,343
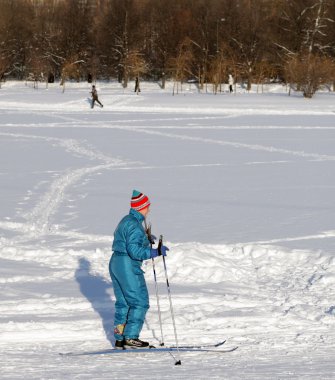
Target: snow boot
119,344
135,343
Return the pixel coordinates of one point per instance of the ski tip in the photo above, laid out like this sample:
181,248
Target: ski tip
232,349
220,343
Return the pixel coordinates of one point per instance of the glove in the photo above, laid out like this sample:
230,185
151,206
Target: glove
152,239
162,250
154,252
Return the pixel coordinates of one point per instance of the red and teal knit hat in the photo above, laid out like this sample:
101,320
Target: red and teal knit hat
139,201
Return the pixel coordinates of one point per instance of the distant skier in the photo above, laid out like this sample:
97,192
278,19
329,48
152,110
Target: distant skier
95,98
130,247
230,82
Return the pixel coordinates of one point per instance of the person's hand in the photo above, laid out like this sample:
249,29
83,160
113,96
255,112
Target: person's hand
162,250
151,238
154,252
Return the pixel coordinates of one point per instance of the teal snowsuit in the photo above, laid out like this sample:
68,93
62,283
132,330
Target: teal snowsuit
130,247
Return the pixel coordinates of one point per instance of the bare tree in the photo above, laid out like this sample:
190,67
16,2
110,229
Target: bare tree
307,73
264,72
303,26
4,64
315,31
181,65
93,67
249,41
217,72
16,31
71,70
252,39
136,64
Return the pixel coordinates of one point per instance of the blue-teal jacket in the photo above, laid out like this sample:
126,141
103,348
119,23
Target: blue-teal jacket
130,238
130,247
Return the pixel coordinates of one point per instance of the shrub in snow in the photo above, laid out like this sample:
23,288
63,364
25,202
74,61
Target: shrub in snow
307,73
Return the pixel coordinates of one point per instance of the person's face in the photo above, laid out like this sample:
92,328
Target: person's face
145,211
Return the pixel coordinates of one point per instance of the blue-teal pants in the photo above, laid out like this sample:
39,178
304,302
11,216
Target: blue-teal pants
131,294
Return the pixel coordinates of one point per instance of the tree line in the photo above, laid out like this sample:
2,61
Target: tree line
256,41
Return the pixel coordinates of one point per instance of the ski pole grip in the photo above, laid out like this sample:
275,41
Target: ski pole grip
160,244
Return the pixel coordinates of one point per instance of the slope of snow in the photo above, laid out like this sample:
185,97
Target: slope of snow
241,187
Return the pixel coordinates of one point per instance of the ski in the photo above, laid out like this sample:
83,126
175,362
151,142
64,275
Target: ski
213,345
148,350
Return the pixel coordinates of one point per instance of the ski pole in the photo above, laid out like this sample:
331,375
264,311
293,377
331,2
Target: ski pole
158,305
160,244
148,230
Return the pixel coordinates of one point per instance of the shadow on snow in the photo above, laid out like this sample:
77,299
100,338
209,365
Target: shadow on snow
95,289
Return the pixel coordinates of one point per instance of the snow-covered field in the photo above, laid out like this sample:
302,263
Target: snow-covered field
242,188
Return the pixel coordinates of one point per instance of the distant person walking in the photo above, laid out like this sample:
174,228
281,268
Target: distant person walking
95,98
230,82
137,85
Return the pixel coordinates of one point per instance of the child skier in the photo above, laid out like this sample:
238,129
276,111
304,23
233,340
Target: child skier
130,247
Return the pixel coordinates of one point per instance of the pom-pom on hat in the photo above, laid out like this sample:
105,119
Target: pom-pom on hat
139,201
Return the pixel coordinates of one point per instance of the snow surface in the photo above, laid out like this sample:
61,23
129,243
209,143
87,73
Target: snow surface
242,187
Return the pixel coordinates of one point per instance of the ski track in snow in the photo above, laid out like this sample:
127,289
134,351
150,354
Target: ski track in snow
264,298
38,219
269,149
